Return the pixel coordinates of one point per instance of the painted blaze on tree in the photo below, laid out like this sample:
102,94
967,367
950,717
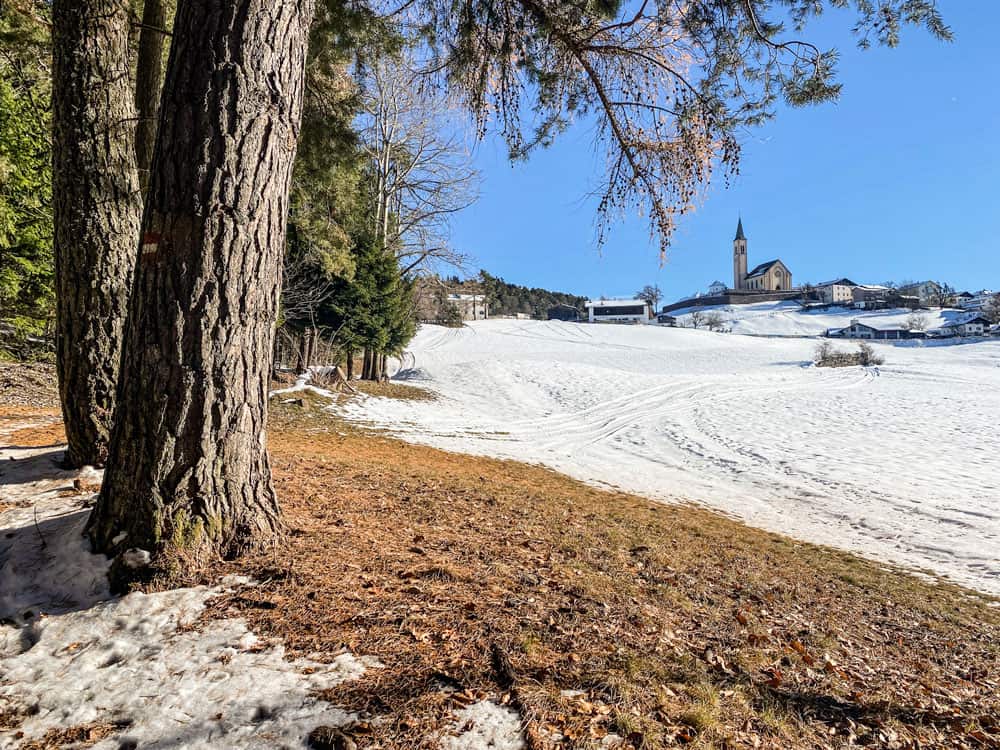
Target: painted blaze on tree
188,466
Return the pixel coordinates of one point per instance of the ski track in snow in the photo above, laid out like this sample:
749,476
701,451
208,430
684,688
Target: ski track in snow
900,463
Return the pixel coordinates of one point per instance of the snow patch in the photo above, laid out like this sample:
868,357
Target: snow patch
45,560
137,660
485,726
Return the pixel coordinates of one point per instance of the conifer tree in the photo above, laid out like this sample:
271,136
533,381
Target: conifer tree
26,266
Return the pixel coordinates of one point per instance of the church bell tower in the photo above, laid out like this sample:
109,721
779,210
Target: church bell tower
739,257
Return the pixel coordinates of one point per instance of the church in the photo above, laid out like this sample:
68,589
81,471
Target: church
771,276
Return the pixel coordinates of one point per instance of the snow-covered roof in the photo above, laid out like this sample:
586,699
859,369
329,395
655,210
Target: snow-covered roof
963,321
615,302
838,282
878,325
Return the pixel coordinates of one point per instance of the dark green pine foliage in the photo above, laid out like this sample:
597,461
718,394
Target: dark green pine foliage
26,266
374,309
511,299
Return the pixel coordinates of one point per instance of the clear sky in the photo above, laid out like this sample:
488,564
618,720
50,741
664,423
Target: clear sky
900,179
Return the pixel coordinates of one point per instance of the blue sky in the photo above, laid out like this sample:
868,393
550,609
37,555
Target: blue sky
899,179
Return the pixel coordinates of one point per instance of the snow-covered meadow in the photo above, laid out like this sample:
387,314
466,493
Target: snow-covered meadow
900,463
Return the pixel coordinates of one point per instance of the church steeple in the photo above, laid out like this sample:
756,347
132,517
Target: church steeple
739,257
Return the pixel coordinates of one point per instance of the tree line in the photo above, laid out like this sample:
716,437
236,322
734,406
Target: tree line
204,154
502,297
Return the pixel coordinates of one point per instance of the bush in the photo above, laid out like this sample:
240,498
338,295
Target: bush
867,356
827,356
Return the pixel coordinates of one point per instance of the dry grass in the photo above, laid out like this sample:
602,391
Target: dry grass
84,735
394,390
679,625
30,385
469,577
49,433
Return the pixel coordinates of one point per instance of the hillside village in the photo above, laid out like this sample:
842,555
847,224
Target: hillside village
889,312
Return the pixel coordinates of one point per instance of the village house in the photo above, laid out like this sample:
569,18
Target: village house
716,288
619,311
471,306
874,331
876,297
927,292
975,326
837,292
974,300
870,296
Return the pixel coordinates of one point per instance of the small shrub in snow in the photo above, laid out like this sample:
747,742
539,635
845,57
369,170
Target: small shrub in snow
867,356
714,322
827,356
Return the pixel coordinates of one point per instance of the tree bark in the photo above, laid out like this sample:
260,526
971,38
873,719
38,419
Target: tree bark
148,74
97,209
188,468
349,367
366,364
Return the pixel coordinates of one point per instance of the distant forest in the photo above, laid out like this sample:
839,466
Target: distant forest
510,299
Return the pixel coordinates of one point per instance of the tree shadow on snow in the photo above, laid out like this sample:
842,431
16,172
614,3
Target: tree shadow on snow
46,565
27,471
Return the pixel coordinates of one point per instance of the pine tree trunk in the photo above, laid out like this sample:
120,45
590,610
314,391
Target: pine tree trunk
149,71
350,365
366,367
188,467
97,209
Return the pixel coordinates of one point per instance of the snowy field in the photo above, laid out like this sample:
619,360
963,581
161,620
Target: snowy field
789,319
901,464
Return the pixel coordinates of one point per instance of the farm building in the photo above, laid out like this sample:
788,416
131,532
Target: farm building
471,306
619,311
837,292
977,326
859,330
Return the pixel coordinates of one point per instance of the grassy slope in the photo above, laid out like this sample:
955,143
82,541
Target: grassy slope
679,625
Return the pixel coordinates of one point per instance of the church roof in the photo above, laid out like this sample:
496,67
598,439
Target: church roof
763,268
739,230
